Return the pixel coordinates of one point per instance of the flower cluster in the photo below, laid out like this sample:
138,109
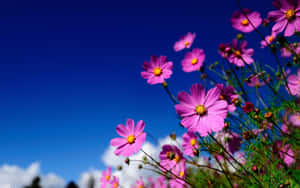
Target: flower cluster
241,119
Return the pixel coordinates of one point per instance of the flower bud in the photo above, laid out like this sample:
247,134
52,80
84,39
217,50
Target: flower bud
240,36
173,136
119,167
140,166
127,161
268,115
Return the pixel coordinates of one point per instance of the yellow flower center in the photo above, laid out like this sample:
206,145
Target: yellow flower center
298,117
116,185
193,142
290,14
186,43
237,53
194,61
177,158
221,97
130,139
200,110
157,71
270,39
140,186
107,177
245,22
181,174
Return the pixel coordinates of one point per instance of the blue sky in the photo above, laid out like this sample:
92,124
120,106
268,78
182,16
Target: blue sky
70,72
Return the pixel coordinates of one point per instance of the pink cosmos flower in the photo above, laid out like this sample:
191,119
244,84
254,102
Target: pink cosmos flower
202,112
177,183
240,22
253,81
193,60
171,158
185,42
229,140
139,183
285,153
159,183
115,182
287,51
285,129
133,138
190,144
295,119
106,176
294,83
228,94
268,40
157,70
241,54
287,16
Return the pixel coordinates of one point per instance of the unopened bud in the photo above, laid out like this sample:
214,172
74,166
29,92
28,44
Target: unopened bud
173,136
127,161
140,166
119,167
240,36
268,115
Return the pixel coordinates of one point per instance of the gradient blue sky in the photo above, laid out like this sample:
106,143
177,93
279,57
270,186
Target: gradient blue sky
70,72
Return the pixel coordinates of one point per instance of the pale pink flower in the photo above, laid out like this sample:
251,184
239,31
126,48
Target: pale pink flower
294,83
241,53
106,177
190,144
268,40
185,42
295,119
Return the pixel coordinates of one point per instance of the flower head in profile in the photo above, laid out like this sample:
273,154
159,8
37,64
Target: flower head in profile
290,49
114,182
254,81
190,144
294,119
185,42
157,70
241,53
106,177
139,183
133,138
287,16
193,60
285,152
294,84
248,107
268,40
202,112
229,140
229,95
171,158
241,20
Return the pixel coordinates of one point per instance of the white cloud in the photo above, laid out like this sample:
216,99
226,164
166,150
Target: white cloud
131,173
17,177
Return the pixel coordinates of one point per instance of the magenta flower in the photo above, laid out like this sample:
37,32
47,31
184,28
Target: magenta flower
228,94
253,81
190,144
268,40
202,112
159,183
229,140
114,182
285,153
139,183
185,42
193,60
171,158
106,176
294,83
177,183
133,138
240,22
295,119
285,129
157,70
287,16
241,54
